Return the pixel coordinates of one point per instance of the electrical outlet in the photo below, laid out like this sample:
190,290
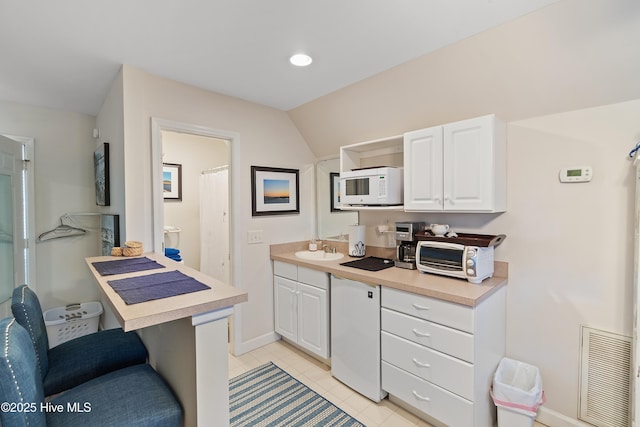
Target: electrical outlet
254,236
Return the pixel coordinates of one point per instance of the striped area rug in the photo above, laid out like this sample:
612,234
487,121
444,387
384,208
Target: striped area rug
268,396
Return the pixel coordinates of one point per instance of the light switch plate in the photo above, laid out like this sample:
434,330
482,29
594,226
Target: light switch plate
254,237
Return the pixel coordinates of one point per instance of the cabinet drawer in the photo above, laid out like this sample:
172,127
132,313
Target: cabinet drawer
316,278
448,372
446,313
448,408
283,269
442,338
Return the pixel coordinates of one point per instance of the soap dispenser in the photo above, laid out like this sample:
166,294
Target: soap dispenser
313,244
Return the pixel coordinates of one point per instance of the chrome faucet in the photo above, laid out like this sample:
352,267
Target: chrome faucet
328,249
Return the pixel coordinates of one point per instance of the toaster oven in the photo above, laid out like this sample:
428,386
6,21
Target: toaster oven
473,263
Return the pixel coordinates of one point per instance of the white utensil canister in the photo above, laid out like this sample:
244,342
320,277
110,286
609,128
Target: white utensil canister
356,240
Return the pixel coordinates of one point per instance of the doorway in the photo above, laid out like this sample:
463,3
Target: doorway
162,133
17,258
196,226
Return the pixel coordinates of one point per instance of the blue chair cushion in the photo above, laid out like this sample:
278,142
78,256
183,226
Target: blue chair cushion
84,358
20,382
79,360
27,311
133,396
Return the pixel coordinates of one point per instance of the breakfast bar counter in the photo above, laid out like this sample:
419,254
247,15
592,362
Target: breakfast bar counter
136,316
444,288
186,335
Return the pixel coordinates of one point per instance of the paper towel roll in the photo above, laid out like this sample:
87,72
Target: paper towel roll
356,240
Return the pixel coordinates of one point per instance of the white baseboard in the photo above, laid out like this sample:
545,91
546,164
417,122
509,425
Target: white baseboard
246,346
552,418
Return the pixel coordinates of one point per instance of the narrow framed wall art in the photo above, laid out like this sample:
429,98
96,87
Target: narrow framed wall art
101,167
172,181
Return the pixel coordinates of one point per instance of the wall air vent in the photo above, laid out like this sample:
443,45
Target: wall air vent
605,378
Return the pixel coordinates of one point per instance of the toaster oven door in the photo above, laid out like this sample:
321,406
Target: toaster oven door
446,258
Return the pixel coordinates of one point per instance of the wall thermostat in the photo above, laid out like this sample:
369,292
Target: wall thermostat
576,174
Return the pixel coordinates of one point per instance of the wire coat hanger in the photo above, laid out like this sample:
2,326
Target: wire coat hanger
63,230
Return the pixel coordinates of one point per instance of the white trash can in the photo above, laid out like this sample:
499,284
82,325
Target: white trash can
517,392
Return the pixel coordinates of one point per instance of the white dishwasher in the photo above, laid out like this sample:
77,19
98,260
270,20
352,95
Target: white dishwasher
355,336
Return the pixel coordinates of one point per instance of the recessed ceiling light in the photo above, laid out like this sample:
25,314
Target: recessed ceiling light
300,60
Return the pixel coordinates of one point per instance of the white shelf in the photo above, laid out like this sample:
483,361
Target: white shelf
380,152
372,208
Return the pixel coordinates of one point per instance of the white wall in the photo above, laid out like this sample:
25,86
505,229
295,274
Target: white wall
64,183
569,246
267,138
569,55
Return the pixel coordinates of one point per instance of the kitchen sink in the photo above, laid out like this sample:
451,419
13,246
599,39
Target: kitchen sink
319,255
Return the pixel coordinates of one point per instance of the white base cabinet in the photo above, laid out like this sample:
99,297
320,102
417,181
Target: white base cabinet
457,167
438,357
301,300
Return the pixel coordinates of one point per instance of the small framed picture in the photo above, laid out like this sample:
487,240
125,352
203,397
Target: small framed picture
274,191
334,186
172,181
101,168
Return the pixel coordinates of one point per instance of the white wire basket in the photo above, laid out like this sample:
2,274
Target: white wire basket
72,321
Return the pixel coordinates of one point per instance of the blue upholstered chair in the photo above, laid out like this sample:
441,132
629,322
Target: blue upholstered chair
78,360
133,396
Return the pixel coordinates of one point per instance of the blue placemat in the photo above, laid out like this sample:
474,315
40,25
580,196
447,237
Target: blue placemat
150,287
126,265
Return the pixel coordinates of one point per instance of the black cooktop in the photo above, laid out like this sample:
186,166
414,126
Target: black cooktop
370,263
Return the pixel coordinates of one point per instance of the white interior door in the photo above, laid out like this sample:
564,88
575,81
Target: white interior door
14,233
214,225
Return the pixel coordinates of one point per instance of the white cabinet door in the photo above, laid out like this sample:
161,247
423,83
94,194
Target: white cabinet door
423,183
285,301
469,165
313,319
301,311
458,167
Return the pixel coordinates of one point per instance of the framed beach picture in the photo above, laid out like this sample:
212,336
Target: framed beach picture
110,232
101,168
172,181
274,191
334,186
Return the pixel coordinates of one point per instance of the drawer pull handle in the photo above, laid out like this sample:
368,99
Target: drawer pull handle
421,334
420,307
424,365
415,393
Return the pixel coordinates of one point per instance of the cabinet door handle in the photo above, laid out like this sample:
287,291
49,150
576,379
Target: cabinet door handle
420,307
415,393
421,364
421,334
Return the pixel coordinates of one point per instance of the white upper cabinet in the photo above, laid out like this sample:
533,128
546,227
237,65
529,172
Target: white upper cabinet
423,173
457,167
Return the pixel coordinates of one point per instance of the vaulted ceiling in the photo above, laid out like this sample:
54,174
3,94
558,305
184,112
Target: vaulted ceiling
65,54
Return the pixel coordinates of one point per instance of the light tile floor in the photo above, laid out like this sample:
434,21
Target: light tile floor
317,376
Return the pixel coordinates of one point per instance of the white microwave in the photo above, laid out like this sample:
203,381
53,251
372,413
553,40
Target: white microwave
382,186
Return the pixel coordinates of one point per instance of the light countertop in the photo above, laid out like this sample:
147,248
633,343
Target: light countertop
445,288
136,316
